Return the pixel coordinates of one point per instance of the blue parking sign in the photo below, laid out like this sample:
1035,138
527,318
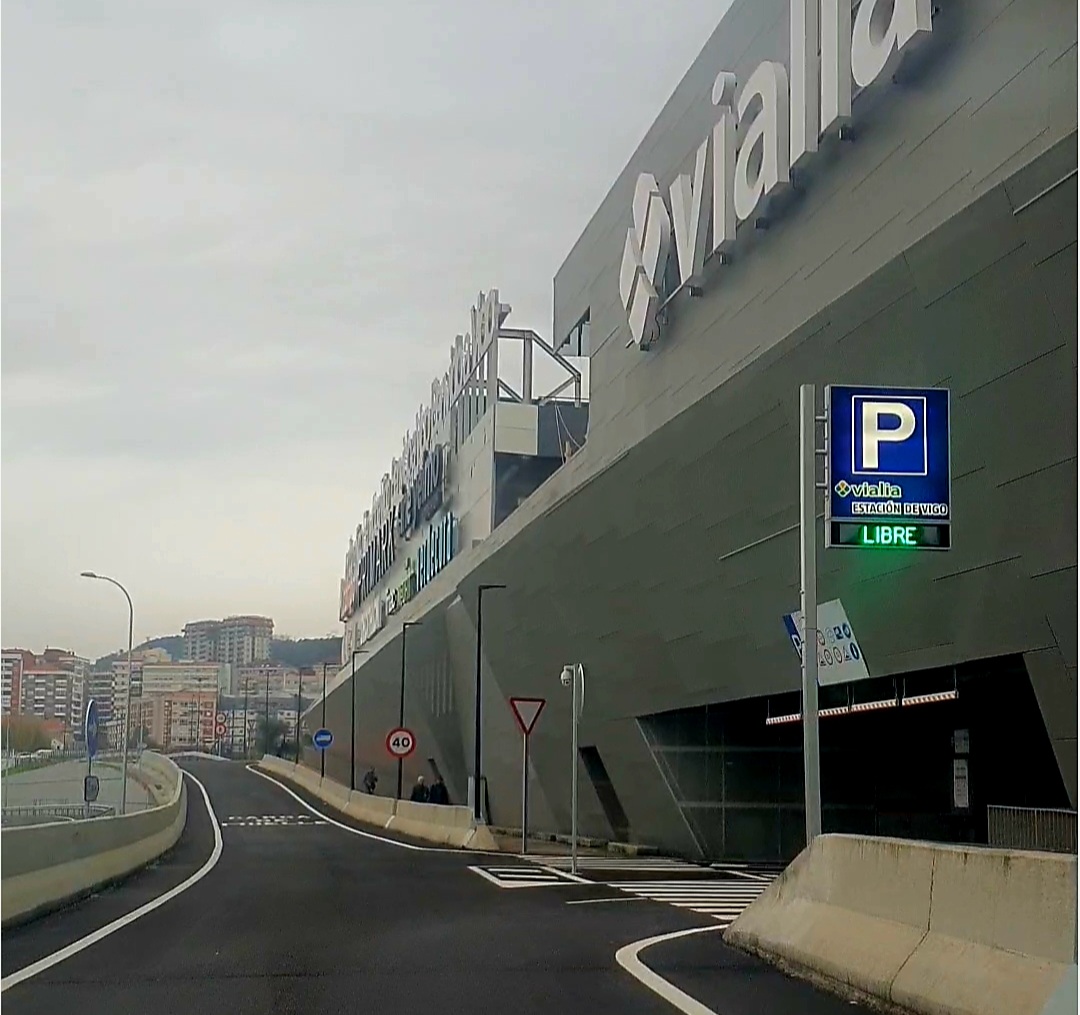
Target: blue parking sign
889,473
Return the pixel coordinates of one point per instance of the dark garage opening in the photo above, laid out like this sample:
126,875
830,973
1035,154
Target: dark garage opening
735,768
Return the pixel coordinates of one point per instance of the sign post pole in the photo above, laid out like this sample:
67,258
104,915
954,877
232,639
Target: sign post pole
808,485
524,793
526,712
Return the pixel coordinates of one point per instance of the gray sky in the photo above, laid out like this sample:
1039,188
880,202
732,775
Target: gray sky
239,238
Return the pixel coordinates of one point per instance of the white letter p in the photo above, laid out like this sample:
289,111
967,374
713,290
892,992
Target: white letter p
873,434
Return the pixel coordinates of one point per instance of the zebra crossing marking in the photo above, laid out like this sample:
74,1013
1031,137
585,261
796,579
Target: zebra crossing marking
722,900
269,820
643,865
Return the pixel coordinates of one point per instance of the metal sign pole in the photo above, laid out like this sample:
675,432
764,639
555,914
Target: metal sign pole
524,793
808,486
579,680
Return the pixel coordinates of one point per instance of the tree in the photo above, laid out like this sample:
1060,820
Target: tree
278,738
28,733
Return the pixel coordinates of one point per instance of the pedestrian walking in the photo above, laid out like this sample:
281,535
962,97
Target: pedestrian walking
419,794
439,793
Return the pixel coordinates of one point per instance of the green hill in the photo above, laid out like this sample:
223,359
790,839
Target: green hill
287,651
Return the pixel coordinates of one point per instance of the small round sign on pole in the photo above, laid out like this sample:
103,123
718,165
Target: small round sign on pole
400,742
322,739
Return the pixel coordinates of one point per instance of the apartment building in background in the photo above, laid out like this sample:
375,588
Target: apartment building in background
180,677
11,681
280,679
239,640
49,685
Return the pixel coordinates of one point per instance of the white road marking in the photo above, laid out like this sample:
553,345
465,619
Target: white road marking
620,898
627,957
722,900
628,863
369,835
111,928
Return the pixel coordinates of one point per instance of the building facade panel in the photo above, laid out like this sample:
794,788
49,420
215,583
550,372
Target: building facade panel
937,246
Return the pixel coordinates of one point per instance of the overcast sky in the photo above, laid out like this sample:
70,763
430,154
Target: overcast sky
238,240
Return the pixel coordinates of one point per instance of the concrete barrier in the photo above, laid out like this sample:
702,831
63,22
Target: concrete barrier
435,823
44,866
933,928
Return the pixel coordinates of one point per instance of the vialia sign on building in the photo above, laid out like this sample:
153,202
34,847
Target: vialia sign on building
778,115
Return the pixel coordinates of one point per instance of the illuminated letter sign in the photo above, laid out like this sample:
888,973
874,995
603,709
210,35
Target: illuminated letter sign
436,551
778,126
888,463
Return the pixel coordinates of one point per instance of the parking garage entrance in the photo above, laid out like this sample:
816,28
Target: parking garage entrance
919,756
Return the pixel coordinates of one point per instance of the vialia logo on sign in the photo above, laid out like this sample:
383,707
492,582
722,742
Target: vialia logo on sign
764,129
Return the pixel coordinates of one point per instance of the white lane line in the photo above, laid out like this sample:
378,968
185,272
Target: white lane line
627,957
111,928
620,898
368,835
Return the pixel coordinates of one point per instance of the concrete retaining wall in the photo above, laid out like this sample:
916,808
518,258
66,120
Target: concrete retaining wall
445,825
933,928
44,866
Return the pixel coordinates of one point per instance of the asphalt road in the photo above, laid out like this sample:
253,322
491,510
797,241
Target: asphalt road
303,916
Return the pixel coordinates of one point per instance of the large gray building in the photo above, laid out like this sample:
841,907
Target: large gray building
908,219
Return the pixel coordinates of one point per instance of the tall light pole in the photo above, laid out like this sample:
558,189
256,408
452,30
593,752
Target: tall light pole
477,757
352,723
401,702
266,718
322,724
247,687
299,687
574,675
127,693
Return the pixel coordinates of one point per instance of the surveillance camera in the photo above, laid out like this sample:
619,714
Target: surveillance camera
567,676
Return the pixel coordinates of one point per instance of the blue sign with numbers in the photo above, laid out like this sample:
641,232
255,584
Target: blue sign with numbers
322,739
888,461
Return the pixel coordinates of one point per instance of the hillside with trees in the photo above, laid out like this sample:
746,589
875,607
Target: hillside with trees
295,652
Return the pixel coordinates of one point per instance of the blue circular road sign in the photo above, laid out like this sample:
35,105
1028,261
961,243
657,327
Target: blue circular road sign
322,739
90,727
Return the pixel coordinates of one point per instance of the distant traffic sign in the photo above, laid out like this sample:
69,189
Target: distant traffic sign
889,475
322,739
400,742
90,726
221,717
220,729
527,711
91,788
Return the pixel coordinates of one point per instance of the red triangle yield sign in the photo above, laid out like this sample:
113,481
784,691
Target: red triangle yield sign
527,711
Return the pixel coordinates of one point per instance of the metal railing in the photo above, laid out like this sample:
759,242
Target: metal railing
41,813
1031,828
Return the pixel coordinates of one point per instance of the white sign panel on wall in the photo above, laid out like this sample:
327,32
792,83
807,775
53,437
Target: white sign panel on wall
840,657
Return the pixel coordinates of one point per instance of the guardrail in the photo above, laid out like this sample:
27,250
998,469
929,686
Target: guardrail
40,813
47,865
1037,828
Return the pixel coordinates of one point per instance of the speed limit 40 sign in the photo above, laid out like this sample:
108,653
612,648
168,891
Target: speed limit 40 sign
400,742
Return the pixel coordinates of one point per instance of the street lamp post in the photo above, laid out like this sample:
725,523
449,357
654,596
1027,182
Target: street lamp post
352,736
477,756
247,686
299,687
266,718
574,675
401,701
127,693
322,724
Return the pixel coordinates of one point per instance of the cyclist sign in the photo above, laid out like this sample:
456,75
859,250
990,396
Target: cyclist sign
400,742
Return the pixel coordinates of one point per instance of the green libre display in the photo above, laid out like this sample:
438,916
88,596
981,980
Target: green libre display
890,535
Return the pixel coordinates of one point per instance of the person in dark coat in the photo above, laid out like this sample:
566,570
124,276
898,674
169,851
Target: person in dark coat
419,794
370,781
439,793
